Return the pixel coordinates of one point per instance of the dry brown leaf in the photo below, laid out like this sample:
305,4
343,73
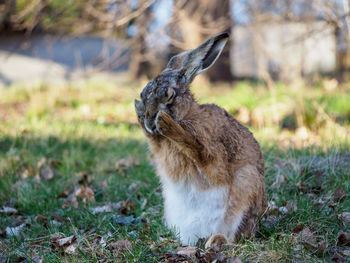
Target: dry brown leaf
321,249
67,244
86,194
283,210
71,249
345,217
127,207
54,163
8,210
126,163
186,251
291,206
68,203
54,237
120,245
41,163
308,238
47,173
58,218
298,228
19,220
338,258
41,219
66,241
134,186
339,194
344,238
64,194
236,260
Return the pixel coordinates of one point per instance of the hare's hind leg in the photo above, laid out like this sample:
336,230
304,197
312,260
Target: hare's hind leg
216,242
248,190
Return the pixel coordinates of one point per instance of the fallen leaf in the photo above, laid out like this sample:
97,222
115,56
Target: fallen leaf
134,186
126,163
127,207
345,252
41,163
339,194
307,238
186,251
270,221
58,218
54,237
68,203
14,231
120,245
86,194
291,206
298,228
211,256
8,210
338,258
236,260
101,209
283,210
41,219
54,163
174,258
117,205
321,249
64,194
344,238
47,173
345,217
71,249
66,241
102,242
67,244
84,180
126,220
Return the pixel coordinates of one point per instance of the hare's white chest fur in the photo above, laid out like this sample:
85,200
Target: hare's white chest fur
195,213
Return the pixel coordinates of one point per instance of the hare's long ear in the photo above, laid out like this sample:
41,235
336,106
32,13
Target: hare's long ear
193,62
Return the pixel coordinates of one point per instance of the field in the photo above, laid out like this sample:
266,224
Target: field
77,183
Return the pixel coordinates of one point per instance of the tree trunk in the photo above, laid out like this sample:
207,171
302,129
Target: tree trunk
199,20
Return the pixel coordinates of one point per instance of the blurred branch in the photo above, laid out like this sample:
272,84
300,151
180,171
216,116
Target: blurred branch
121,21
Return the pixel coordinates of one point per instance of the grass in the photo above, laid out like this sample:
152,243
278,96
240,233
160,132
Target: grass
86,128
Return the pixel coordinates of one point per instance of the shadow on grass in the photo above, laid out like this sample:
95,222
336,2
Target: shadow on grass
293,181
69,158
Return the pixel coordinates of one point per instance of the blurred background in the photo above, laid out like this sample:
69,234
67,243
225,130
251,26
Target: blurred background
286,66
271,40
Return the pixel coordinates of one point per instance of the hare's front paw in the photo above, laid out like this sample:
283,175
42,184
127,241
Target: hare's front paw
163,123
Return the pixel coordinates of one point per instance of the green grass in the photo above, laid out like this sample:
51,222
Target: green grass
88,127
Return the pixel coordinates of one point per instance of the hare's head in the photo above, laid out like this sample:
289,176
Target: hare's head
169,91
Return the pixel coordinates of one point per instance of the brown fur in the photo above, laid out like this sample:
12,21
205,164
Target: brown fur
203,144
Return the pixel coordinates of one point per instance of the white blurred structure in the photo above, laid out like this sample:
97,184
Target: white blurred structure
283,50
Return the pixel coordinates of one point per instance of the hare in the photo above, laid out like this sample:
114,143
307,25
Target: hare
210,166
